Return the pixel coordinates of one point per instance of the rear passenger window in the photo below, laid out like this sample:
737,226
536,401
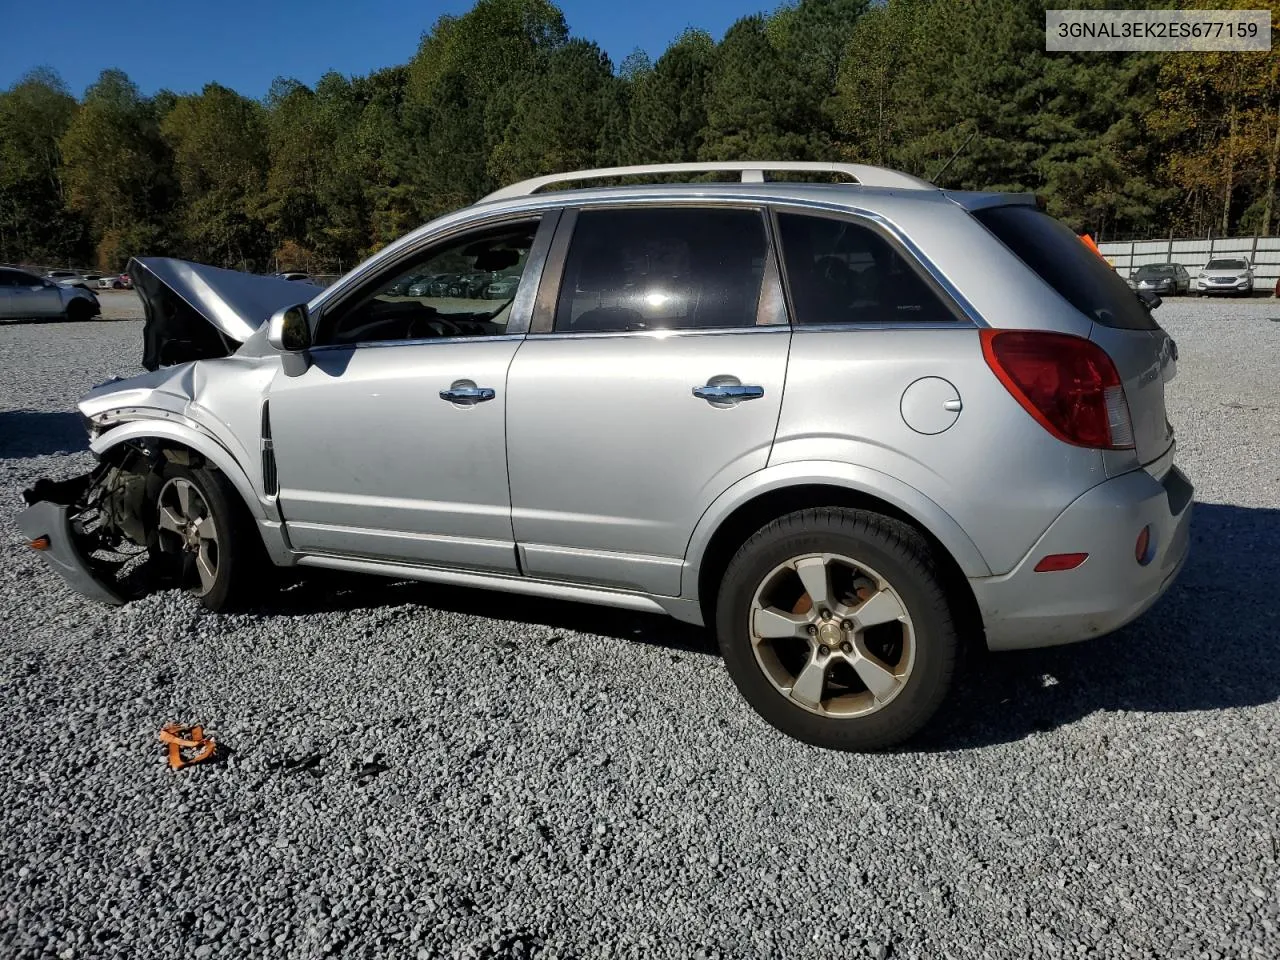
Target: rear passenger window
842,272
1057,255
662,269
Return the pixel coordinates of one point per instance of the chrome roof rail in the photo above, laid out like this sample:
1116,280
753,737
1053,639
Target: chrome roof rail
752,171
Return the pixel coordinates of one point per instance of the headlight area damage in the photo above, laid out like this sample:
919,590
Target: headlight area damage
96,531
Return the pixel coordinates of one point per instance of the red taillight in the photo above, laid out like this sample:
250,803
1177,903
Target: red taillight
1067,383
1060,561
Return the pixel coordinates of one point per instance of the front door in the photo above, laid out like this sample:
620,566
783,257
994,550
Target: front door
26,295
392,444
650,385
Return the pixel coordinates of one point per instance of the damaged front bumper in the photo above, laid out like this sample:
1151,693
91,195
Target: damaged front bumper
92,529
48,525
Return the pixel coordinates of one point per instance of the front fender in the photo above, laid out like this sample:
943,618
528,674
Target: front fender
852,477
202,443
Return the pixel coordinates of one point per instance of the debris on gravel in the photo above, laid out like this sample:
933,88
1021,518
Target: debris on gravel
420,772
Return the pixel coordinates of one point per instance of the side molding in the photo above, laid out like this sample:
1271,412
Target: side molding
851,477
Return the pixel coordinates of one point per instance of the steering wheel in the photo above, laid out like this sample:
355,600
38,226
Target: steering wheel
438,326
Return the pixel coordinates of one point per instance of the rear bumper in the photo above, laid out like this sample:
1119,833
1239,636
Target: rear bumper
1023,608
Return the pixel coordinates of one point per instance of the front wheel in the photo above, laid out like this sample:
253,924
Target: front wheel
79,311
206,538
835,627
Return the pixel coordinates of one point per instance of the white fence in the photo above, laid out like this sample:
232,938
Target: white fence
1263,253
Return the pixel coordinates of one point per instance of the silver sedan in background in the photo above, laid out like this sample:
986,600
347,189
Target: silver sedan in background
23,296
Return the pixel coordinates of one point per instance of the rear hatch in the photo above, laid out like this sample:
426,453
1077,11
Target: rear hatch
1145,356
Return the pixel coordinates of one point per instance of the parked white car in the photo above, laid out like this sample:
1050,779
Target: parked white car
1232,275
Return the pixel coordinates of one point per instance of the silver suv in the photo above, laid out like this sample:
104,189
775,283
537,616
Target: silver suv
850,427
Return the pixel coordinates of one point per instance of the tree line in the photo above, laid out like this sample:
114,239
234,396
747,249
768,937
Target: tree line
1124,145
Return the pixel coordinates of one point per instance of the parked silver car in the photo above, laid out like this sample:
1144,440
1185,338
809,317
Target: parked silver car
23,295
851,428
1228,275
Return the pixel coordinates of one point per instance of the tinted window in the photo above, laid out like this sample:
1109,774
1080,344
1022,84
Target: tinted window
462,288
844,272
16,278
1225,265
1062,260
662,269
1156,270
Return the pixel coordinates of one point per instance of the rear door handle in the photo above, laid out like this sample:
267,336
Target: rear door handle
728,392
466,392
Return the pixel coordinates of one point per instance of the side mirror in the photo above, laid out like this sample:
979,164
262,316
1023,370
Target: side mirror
288,330
1150,299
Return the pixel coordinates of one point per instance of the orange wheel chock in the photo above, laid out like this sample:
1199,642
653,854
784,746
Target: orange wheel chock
187,745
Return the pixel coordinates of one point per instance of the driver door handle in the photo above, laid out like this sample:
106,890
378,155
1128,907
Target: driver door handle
728,392
466,392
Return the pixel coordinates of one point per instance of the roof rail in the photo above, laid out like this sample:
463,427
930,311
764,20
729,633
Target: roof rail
752,171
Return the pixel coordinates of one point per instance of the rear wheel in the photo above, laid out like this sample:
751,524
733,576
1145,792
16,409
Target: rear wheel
835,628
206,537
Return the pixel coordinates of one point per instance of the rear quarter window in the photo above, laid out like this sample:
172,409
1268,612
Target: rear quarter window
1060,259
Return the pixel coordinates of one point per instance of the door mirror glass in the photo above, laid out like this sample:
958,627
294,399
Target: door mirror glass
288,330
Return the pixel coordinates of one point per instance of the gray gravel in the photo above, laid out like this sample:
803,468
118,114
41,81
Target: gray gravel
418,772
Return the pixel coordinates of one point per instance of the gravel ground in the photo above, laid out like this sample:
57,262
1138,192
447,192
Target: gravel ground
418,772
120,305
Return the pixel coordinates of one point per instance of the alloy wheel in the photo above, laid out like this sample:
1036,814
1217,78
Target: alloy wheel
187,527
832,635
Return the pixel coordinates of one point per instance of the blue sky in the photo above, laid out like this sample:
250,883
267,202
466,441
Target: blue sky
245,45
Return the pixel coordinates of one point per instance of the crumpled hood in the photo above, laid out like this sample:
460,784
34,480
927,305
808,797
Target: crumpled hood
197,312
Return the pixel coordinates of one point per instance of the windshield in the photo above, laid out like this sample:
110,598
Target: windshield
1155,270
1061,260
1226,265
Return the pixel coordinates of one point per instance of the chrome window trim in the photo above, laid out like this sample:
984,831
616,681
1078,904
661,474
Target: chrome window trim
420,342
539,205
887,325
662,334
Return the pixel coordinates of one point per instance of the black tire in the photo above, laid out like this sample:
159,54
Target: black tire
241,557
79,311
903,558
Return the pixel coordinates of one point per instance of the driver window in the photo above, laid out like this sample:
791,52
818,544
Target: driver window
463,288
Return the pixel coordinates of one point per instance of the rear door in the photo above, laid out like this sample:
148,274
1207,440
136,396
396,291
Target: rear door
651,381
1143,353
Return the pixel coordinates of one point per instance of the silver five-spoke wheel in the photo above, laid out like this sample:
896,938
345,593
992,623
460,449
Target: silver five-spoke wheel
186,527
832,635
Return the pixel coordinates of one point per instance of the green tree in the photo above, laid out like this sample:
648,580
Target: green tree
218,140
462,90
34,222
668,109
758,106
116,170
562,117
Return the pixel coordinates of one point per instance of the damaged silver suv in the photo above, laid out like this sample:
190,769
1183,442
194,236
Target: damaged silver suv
851,427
